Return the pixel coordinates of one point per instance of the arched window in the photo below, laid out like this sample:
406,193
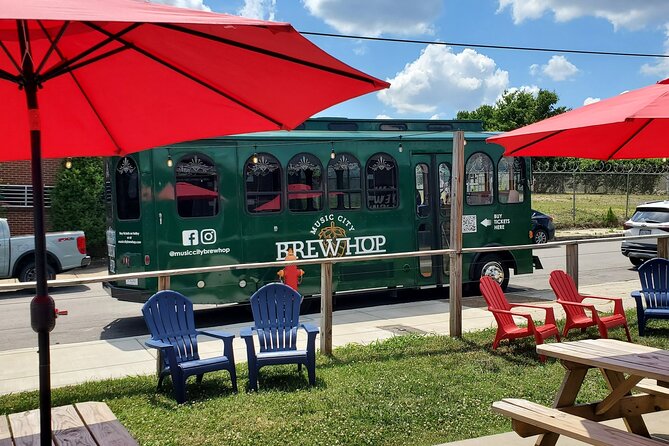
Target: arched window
196,187
511,180
479,174
305,183
381,182
344,185
127,189
263,184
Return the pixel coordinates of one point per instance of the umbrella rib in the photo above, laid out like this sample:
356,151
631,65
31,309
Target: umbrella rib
69,64
5,74
83,93
266,52
632,136
64,69
543,138
9,77
53,43
187,75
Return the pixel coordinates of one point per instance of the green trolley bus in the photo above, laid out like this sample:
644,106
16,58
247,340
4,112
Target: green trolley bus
332,187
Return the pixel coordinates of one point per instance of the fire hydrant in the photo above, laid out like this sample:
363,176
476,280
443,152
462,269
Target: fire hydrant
291,275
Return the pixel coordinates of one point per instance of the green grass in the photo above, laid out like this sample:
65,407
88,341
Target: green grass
418,390
591,209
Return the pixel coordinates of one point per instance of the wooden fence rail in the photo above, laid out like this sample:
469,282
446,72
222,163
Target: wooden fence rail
326,273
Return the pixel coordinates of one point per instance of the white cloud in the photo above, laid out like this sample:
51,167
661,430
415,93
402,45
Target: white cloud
360,49
192,4
533,89
620,13
660,68
590,100
442,81
376,17
559,68
383,117
258,9
534,69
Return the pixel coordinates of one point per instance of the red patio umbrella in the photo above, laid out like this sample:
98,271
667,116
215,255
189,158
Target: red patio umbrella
108,77
633,124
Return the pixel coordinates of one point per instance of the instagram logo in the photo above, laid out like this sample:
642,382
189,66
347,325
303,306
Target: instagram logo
208,236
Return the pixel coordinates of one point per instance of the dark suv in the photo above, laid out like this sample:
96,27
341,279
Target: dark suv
543,228
649,218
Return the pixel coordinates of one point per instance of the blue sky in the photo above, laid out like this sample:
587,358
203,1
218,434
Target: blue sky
436,81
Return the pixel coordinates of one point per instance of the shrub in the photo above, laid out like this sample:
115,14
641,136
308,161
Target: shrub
77,202
610,221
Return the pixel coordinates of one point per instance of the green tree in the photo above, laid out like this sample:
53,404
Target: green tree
77,202
515,109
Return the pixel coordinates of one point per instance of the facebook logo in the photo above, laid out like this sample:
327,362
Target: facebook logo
190,237
193,237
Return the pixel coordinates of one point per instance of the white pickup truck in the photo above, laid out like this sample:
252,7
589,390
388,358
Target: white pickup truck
65,251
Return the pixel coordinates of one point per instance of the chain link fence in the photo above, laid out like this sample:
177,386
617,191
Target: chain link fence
596,193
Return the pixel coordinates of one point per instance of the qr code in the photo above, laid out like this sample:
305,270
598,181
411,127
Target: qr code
468,224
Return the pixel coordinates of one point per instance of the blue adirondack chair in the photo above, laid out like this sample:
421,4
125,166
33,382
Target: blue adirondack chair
169,316
276,313
652,301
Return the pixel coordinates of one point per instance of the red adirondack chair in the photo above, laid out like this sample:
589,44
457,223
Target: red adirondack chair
506,326
572,302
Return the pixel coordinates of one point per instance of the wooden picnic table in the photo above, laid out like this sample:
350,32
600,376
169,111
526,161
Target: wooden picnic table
81,424
625,366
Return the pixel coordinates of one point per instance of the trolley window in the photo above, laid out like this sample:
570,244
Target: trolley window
305,185
263,184
127,189
422,190
196,187
479,171
444,188
381,182
511,180
344,184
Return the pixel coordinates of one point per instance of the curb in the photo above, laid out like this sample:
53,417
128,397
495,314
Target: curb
580,236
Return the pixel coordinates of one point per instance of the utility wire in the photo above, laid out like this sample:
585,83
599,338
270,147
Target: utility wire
475,45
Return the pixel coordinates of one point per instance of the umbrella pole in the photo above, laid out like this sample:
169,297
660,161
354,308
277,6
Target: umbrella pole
42,307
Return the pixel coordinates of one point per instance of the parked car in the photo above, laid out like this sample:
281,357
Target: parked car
543,228
648,218
64,251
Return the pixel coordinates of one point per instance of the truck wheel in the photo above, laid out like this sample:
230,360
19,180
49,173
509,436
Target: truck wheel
492,265
636,261
29,274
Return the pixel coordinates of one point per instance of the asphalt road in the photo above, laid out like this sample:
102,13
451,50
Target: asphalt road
94,315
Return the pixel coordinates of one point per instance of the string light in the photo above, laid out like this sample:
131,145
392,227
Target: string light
400,148
68,163
170,163
255,155
332,151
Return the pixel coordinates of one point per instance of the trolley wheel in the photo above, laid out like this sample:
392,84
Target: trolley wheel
493,266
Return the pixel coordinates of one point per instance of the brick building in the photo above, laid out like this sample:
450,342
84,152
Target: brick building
16,193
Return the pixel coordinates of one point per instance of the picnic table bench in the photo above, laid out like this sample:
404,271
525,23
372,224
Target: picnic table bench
81,424
624,367
531,419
